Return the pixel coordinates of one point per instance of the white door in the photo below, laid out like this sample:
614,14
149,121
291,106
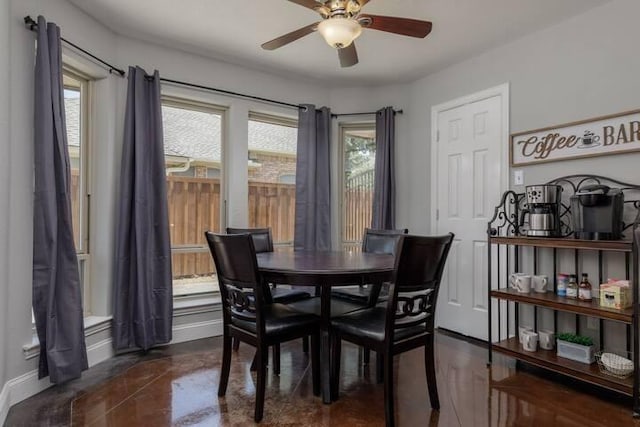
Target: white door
470,178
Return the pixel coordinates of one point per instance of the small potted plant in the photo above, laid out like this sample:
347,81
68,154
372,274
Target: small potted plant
576,347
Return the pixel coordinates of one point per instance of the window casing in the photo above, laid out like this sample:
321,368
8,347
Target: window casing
272,172
194,135
358,152
77,117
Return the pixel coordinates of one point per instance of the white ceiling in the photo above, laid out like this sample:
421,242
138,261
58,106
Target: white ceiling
233,30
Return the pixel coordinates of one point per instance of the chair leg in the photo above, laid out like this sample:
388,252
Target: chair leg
315,363
366,356
336,350
430,368
262,383
226,365
389,414
305,345
254,363
236,344
379,368
276,359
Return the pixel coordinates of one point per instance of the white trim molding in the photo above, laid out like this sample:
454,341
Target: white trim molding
196,331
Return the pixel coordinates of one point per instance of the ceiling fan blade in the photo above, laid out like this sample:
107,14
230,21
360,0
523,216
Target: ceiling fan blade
390,24
348,56
290,37
310,4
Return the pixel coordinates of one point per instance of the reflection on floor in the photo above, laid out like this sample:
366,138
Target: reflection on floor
177,386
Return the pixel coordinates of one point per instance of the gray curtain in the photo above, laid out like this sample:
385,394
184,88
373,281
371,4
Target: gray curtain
313,180
57,297
143,297
384,188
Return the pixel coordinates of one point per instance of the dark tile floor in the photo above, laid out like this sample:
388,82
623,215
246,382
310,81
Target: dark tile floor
177,386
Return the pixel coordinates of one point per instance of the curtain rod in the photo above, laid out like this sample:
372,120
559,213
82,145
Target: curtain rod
32,25
228,92
333,116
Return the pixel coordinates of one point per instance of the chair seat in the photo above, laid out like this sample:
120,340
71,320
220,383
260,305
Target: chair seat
369,323
312,306
280,319
286,296
358,295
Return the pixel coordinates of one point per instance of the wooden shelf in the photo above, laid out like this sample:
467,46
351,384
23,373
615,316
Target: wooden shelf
567,243
548,359
551,300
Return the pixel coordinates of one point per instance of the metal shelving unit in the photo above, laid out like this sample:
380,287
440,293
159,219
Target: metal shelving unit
505,235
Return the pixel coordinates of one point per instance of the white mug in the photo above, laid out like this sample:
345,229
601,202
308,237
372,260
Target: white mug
522,330
530,341
522,283
512,278
539,283
547,339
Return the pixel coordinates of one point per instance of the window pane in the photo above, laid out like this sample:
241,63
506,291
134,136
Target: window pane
359,147
73,102
192,147
272,178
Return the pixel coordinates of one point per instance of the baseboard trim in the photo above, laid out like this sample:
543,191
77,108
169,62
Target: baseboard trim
196,331
4,403
100,351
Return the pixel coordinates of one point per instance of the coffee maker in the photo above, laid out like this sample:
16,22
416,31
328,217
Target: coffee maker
543,209
597,211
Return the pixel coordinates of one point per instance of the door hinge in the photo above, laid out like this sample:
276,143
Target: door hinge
437,214
438,135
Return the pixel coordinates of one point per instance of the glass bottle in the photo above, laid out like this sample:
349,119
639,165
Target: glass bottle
572,287
584,293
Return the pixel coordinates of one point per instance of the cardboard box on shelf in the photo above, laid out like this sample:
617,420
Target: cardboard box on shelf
616,294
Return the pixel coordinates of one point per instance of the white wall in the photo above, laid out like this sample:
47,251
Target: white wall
581,68
5,102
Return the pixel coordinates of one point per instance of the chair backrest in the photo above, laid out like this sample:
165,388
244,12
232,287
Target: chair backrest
381,241
238,276
419,265
262,240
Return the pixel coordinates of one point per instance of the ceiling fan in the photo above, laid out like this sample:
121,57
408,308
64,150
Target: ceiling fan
342,22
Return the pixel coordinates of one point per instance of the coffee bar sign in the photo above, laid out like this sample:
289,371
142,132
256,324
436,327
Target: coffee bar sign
615,134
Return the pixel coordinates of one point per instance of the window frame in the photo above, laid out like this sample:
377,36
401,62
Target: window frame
278,120
344,128
84,197
209,108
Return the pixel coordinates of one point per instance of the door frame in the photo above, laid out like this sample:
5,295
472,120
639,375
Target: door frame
500,90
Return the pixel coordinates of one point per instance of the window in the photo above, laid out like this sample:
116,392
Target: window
358,163
76,105
193,139
272,175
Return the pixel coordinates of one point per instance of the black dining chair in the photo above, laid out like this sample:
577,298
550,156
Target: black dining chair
263,242
406,321
376,242
250,316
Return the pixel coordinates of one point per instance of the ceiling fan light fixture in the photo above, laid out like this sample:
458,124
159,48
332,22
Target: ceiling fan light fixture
339,32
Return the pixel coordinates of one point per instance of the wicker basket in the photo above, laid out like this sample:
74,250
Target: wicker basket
615,363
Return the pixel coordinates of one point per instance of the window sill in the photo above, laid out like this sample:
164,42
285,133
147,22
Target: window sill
182,306
92,326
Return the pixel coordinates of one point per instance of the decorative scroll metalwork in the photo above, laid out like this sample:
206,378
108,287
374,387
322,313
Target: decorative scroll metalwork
506,218
413,308
241,302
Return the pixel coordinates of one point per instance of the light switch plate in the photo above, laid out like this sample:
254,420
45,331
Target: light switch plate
518,177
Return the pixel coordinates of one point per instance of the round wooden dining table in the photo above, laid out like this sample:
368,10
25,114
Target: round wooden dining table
324,270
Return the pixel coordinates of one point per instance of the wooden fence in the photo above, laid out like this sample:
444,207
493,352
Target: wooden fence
194,206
